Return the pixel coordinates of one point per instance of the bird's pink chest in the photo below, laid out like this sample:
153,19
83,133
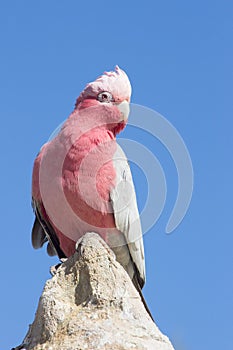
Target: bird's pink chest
73,177
88,175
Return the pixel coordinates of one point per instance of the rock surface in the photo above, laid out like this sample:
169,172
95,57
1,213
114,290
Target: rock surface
91,303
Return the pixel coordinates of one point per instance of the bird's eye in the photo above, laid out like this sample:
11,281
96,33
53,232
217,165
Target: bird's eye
105,97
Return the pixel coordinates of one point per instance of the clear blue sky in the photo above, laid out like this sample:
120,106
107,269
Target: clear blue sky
179,57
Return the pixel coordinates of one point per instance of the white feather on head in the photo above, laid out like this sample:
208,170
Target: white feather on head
116,82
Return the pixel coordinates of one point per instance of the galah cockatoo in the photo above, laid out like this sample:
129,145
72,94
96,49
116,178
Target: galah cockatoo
82,181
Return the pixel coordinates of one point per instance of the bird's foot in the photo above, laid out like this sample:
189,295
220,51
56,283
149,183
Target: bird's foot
20,347
53,269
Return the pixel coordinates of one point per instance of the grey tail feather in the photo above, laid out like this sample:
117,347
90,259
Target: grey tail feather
137,286
49,236
51,250
38,236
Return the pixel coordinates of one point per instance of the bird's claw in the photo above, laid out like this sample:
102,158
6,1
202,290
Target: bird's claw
20,347
53,269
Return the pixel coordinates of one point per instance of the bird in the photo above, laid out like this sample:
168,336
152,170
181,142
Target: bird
82,182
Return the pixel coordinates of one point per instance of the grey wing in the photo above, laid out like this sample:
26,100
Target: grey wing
43,232
126,213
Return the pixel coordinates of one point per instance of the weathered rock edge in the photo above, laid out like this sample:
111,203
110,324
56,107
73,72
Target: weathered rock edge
91,303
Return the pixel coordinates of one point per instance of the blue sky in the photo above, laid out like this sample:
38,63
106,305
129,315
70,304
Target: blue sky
178,55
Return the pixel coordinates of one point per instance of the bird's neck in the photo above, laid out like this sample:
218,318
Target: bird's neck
117,128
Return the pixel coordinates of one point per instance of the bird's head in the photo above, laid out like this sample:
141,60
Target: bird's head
110,90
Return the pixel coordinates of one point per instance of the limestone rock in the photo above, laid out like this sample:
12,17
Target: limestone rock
91,303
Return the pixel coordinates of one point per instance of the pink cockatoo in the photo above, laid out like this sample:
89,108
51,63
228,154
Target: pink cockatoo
82,181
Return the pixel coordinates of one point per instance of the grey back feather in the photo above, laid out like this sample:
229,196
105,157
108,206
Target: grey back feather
126,213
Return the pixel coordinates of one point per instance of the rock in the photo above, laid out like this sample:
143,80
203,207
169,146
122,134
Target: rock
91,303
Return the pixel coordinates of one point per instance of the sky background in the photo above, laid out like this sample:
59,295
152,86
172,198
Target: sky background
178,55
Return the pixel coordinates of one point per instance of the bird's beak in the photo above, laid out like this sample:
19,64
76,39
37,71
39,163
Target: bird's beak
124,109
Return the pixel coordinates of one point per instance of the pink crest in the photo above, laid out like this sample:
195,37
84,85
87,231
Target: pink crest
115,82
